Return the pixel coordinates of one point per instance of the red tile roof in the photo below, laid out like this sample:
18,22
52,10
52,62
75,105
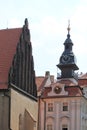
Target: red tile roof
8,42
82,82
71,87
74,91
40,81
46,91
83,76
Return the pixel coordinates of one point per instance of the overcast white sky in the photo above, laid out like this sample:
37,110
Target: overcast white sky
48,21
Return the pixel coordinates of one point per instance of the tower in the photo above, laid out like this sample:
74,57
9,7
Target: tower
63,103
67,62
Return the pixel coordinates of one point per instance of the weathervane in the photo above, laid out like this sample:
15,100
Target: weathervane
68,26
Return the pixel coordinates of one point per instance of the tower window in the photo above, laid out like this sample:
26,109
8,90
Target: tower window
65,106
50,107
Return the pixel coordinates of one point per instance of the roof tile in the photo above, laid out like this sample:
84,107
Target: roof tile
8,42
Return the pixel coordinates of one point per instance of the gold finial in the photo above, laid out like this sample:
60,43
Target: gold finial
68,26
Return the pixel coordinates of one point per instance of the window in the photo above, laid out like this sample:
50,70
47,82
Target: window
50,107
49,127
65,106
64,127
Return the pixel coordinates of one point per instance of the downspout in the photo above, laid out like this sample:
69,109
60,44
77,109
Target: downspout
44,114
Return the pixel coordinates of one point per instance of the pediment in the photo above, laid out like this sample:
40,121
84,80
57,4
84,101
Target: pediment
58,89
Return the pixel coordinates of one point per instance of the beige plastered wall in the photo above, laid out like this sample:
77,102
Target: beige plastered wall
20,103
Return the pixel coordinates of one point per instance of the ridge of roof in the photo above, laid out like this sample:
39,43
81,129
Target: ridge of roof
6,29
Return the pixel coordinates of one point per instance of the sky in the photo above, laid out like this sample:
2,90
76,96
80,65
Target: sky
48,22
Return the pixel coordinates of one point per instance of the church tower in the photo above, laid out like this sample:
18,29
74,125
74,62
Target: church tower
67,62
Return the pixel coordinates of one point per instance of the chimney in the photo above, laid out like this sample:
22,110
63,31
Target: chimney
47,74
52,78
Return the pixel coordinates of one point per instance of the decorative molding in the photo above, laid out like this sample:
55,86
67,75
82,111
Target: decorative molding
62,92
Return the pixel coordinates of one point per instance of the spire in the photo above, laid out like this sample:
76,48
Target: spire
68,40
26,22
26,31
68,29
67,60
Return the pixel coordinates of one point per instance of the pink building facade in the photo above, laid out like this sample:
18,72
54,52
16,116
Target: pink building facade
62,107
63,103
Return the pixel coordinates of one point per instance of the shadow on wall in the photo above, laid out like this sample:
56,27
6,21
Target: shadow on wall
26,122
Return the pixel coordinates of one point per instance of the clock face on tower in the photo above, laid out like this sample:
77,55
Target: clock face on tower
57,89
65,58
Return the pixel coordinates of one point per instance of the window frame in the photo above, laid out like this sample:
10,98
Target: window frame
65,106
65,126
50,107
49,127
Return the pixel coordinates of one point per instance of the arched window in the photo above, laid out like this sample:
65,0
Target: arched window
50,123
49,127
65,123
64,127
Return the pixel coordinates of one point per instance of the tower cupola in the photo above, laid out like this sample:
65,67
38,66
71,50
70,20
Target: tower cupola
67,62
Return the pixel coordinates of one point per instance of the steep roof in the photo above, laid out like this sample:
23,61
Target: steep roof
8,42
44,81
82,81
40,81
